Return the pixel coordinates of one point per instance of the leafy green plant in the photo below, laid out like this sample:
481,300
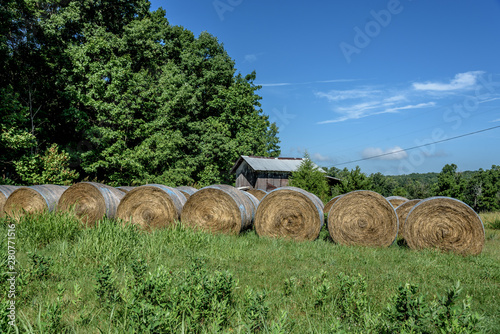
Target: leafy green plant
256,309
105,288
450,317
352,299
40,266
407,309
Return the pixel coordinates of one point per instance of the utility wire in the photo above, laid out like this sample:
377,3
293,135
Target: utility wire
414,147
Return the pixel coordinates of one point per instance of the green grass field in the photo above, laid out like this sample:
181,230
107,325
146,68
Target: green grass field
113,279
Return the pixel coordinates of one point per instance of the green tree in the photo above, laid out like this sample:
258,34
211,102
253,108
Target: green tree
352,180
51,168
450,183
154,102
482,191
310,178
384,185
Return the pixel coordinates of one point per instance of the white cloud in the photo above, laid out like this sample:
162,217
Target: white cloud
496,120
250,58
410,106
276,84
304,83
339,95
393,153
321,158
461,81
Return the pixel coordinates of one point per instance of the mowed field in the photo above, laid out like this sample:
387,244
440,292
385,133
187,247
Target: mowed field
115,279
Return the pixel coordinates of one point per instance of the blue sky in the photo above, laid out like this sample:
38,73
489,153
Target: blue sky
347,81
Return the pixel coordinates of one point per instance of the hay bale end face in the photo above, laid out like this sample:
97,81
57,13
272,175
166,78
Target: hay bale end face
5,191
447,224
187,191
397,200
402,211
363,218
33,199
289,212
218,208
91,201
151,206
330,203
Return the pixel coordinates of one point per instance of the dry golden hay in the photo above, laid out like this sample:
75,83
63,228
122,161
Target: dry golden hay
397,200
187,191
218,208
33,199
125,189
444,223
258,193
91,201
5,191
330,203
363,218
402,211
151,206
289,212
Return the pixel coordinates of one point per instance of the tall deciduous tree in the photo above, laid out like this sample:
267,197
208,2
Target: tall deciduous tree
150,101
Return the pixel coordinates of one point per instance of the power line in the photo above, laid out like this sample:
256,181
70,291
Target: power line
414,147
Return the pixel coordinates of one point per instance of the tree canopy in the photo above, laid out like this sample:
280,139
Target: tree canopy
131,98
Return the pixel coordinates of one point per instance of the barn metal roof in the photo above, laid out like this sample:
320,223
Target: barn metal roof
260,164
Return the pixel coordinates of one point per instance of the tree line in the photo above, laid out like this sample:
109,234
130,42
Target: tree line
108,90
479,189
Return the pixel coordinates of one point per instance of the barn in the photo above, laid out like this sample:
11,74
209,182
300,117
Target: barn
266,173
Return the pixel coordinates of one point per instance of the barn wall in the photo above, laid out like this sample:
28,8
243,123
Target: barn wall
245,176
270,180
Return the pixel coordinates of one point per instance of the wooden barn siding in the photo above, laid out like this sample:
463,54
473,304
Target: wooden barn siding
245,176
274,179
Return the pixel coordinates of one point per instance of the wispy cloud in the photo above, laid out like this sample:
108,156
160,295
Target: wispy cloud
496,120
276,84
364,101
304,83
340,95
390,104
393,153
251,58
461,81
321,158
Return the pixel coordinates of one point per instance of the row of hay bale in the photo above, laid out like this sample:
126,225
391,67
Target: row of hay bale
367,218
357,218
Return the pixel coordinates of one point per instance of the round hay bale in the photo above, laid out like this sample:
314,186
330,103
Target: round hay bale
92,201
187,191
255,203
397,200
218,208
5,191
151,206
258,193
402,211
445,223
33,199
125,189
330,203
289,212
363,218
